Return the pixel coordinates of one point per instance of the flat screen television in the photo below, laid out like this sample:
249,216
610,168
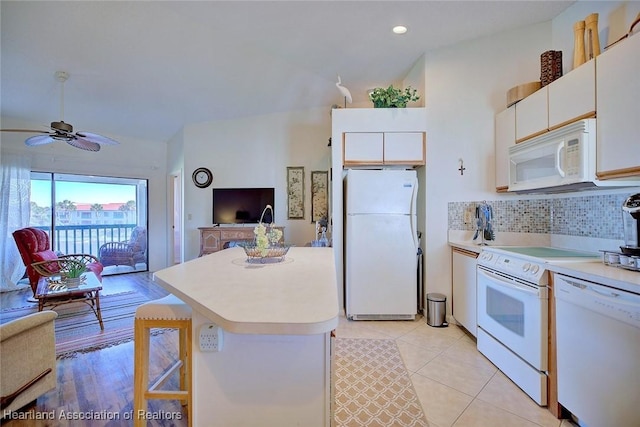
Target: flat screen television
242,205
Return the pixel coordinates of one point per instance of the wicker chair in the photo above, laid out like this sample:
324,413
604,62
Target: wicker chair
59,266
34,247
126,253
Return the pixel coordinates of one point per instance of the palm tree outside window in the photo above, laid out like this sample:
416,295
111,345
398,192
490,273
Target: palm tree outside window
82,213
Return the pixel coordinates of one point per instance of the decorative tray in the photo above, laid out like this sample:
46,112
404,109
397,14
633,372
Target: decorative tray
621,260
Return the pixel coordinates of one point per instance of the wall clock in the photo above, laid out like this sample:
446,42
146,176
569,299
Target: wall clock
202,177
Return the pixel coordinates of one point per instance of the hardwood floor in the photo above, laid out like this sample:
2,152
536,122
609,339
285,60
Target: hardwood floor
96,388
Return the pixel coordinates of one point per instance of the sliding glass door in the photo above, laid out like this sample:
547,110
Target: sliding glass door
102,216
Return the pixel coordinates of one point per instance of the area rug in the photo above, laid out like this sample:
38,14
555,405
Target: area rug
372,386
77,328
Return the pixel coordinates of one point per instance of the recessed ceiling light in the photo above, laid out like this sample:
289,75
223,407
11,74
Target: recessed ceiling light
400,29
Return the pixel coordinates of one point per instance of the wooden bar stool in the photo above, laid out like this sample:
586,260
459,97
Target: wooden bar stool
172,313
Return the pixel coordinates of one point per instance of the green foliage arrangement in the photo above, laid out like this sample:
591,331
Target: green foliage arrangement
392,97
73,269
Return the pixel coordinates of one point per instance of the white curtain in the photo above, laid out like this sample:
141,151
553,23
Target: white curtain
15,191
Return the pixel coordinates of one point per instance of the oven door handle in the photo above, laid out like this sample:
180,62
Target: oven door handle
498,280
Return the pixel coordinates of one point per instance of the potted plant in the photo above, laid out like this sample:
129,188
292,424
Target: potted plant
71,273
392,97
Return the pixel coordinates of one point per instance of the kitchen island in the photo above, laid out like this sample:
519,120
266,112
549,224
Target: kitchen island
274,364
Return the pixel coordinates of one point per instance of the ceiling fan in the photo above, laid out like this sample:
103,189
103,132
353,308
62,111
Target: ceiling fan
61,131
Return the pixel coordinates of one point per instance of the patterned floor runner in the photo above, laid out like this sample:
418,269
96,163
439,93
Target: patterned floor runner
373,387
77,328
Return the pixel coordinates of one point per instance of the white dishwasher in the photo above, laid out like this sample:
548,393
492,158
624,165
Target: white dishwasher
598,352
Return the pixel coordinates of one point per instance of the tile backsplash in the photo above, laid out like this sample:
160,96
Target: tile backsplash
585,215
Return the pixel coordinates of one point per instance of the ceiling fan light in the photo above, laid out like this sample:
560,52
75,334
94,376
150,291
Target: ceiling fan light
62,137
61,131
62,126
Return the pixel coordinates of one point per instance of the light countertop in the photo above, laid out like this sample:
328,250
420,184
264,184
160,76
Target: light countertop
297,296
598,272
595,271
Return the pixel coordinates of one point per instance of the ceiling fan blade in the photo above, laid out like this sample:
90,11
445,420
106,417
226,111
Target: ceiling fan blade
38,140
24,130
99,139
83,144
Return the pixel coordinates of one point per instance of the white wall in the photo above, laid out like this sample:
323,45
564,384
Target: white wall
132,158
255,152
175,201
466,85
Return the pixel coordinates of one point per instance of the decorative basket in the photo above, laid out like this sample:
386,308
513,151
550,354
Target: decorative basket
550,66
520,92
253,251
266,246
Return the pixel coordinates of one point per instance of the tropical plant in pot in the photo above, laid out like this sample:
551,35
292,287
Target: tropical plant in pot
392,97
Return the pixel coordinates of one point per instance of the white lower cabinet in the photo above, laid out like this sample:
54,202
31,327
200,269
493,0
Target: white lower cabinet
464,289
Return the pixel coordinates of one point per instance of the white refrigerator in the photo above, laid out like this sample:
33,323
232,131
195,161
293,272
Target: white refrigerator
381,244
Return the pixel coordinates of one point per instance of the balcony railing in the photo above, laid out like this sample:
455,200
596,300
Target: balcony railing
86,239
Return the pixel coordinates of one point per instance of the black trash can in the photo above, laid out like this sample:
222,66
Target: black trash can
436,310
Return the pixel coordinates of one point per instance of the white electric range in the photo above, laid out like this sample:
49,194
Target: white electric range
513,310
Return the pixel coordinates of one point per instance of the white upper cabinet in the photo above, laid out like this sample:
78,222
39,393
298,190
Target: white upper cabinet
532,117
404,148
384,148
618,120
573,97
363,148
505,128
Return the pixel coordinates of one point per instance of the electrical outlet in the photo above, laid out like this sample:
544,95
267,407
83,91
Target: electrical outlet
468,217
210,337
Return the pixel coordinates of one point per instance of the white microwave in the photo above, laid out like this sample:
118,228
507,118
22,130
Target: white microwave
562,159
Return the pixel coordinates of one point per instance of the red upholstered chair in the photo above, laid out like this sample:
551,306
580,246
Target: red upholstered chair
34,247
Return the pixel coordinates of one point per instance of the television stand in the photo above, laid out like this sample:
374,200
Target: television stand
213,239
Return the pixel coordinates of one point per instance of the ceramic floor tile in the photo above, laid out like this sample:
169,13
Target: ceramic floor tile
501,392
447,372
483,414
464,377
464,350
392,328
434,340
452,331
355,329
415,357
441,404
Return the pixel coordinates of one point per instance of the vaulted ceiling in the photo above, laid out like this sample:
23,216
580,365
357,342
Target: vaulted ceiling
146,68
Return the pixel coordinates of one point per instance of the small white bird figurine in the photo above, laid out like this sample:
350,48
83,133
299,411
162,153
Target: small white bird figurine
345,92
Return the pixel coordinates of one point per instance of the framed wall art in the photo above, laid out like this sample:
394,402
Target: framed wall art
319,195
295,192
